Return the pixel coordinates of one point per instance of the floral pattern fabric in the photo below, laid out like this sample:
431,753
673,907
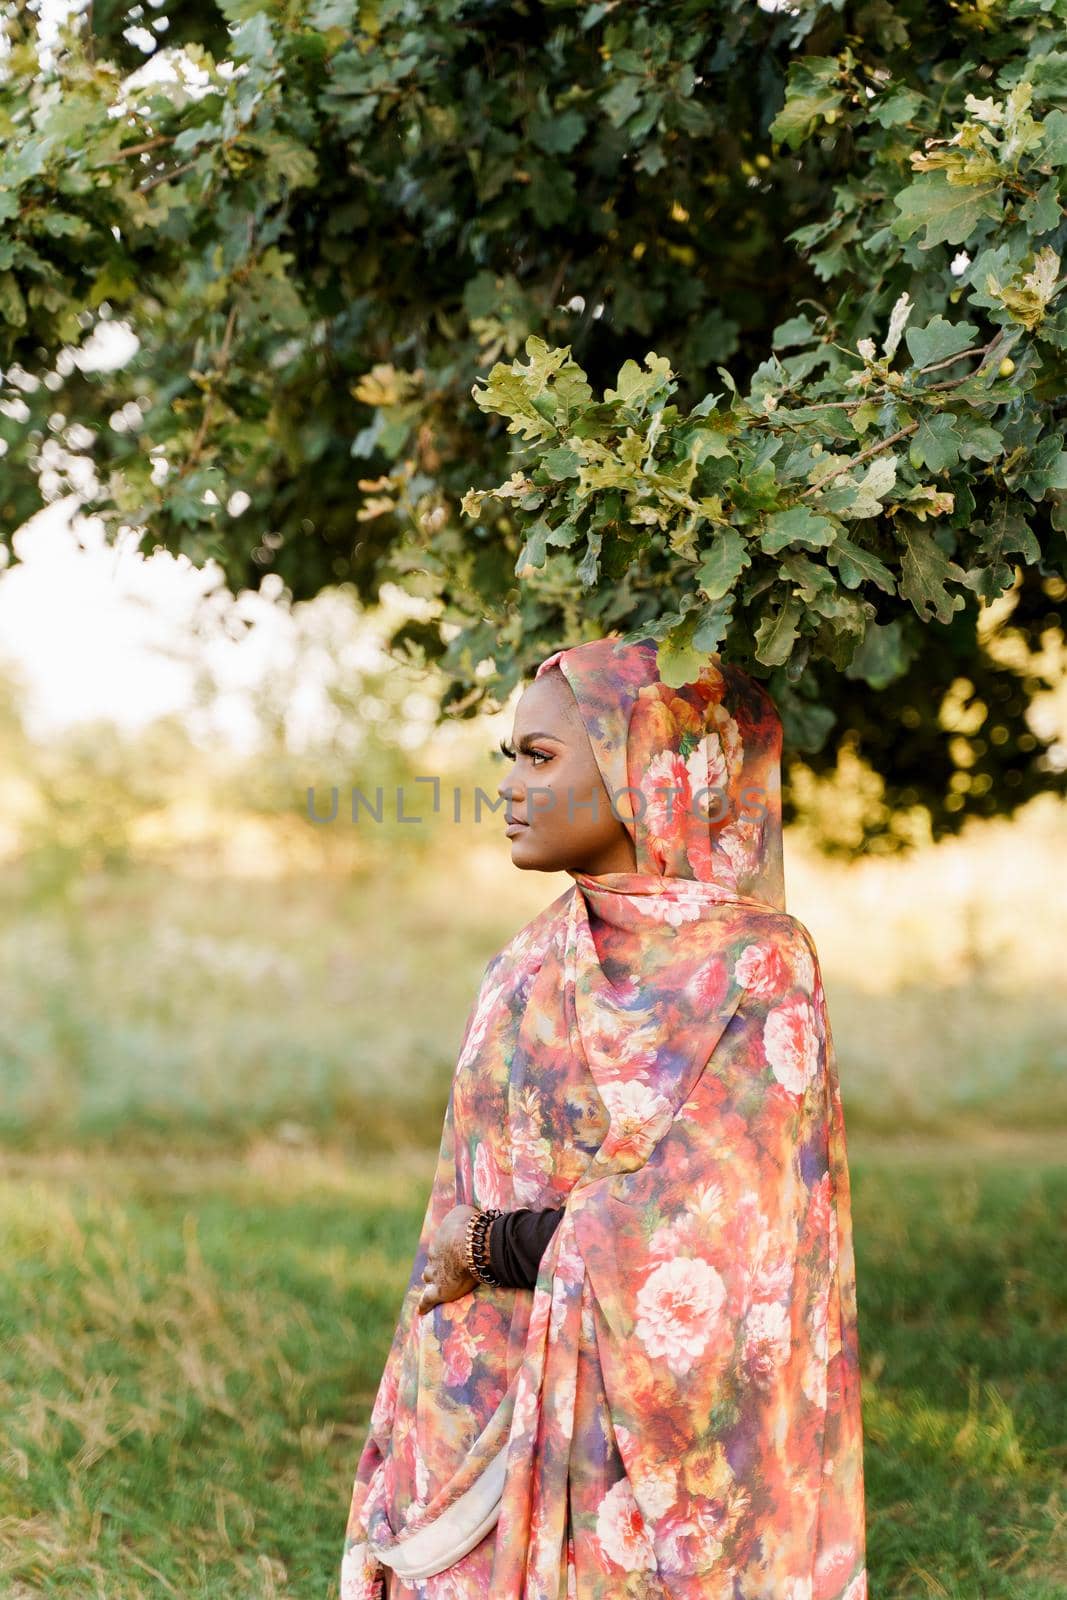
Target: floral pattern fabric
679,1395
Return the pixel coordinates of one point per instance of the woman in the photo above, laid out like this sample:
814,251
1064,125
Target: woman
674,1408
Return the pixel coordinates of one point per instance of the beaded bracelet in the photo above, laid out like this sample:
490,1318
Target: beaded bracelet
478,1261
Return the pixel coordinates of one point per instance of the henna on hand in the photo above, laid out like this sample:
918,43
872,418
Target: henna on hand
446,1274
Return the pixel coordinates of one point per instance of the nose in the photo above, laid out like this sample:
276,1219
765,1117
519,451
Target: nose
506,789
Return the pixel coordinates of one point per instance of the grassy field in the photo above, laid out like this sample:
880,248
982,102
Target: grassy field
223,1088
191,1348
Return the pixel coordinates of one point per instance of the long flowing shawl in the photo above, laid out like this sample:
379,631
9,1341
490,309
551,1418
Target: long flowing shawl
674,1410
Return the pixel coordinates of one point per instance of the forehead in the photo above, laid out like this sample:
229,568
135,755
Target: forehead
545,703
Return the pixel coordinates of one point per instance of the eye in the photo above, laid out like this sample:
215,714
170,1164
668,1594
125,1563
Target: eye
537,756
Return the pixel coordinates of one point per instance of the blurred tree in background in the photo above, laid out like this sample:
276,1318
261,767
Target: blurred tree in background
325,223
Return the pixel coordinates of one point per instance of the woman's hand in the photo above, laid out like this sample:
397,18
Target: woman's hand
446,1274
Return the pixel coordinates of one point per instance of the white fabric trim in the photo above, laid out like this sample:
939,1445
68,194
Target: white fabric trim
464,1524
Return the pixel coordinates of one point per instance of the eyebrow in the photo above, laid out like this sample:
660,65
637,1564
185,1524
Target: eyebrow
526,737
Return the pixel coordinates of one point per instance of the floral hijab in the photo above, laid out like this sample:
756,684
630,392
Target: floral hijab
697,768
674,1410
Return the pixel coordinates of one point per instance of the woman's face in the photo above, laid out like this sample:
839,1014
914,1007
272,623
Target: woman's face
554,787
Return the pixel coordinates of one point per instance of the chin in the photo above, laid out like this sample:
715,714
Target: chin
526,855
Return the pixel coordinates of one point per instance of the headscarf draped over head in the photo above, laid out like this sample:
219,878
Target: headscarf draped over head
674,1410
694,773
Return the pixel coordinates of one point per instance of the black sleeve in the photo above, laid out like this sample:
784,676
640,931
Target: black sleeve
517,1241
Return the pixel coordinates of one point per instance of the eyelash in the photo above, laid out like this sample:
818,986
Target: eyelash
507,751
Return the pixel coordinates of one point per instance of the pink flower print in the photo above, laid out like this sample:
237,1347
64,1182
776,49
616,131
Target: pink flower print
621,1530
639,1118
422,1475
813,1378
791,1043
525,1413
803,967
665,786
561,1297
458,1352
761,970
446,1585
691,1541
799,1589
704,799
707,989
677,1311
742,842
381,1417
670,908
489,1186
485,1008
360,1573
857,1589
768,1338
570,1263
531,1152
656,1490
696,1231
817,1220
726,749
831,1570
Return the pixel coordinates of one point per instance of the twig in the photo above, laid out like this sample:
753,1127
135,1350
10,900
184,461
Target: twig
137,149
902,433
935,366
167,177
864,455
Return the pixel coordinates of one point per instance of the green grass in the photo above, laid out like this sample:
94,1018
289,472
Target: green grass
190,1354
191,1347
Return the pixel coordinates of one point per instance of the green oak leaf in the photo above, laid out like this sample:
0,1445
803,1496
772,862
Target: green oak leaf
634,386
777,633
939,339
795,330
815,91
796,525
883,655
1053,149
561,463
683,648
857,565
809,579
558,133
1005,530
723,563
949,212
589,566
925,569
506,393
1045,468
936,444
